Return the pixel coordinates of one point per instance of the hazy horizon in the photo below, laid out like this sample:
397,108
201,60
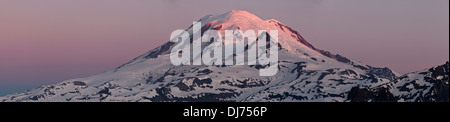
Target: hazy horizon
44,42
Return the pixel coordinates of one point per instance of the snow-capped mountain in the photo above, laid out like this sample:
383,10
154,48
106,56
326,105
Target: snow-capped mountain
305,73
429,85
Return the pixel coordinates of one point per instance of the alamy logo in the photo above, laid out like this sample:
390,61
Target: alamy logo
230,51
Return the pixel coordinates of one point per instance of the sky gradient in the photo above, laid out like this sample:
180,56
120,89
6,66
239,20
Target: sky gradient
47,41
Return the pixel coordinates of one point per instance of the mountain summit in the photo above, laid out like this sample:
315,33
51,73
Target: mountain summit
238,19
305,73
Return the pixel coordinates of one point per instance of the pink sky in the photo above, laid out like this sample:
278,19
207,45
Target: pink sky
47,41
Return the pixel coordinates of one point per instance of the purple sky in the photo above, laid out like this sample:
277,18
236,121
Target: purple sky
47,41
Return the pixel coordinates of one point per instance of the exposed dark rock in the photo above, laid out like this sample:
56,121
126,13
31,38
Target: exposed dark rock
384,95
205,71
105,91
37,97
246,83
361,67
199,82
357,94
286,95
299,66
337,56
165,96
258,66
79,83
161,50
383,73
371,77
348,72
342,59
323,75
184,87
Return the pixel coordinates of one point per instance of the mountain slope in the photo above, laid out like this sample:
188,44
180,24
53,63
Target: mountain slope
430,85
305,73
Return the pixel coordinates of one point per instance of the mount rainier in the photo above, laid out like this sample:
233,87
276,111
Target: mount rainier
305,74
